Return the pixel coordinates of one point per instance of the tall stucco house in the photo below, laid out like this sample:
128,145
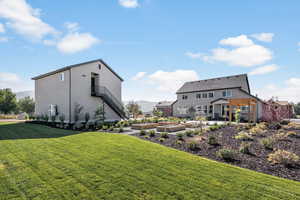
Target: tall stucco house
218,98
88,84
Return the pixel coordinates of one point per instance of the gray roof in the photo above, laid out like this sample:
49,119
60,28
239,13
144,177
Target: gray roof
76,65
164,103
236,81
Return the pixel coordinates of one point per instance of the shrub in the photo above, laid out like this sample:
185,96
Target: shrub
268,143
143,132
161,140
189,133
179,142
283,157
53,118
257,131
180,136
212,140
243,136
87,117
280,136
193,146
147,137
121,130
226,154
245,148
62,118
164,135
111,128
198,132
104,127
292,134
152,133
214,127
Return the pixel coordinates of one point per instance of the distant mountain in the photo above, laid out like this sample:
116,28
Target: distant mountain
23,94
146,106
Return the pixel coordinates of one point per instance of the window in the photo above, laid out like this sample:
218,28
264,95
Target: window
184,97
205,109
211,95
199,108
226,93
62,76
244,108
210,109
198,96
204,95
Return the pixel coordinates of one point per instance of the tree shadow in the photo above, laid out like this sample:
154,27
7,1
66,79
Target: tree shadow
14,131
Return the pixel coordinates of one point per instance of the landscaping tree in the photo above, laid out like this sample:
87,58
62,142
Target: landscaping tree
238,115
77,111
8,101
192,112
157,112
26,105
133,108
297,108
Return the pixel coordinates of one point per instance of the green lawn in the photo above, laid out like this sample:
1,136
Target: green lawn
110,166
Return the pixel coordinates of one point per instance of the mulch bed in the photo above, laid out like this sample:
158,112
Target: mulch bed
256,161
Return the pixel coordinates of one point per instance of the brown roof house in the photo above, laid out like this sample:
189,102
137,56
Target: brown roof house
218,98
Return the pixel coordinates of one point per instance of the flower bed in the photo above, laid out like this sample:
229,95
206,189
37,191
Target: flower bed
144,126
170,128
256,153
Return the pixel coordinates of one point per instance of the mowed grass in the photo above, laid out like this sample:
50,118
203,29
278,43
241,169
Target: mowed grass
111,166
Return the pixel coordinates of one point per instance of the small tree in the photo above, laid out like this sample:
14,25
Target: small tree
133,108
62,119
26,105
77,111
87,117
100,113
157,112
192,112
8,101
238,115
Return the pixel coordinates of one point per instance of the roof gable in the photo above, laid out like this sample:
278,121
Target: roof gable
76,65
236,81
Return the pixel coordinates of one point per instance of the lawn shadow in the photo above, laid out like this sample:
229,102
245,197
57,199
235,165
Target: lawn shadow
13,131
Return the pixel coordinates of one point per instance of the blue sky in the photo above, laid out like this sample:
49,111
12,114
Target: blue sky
155,45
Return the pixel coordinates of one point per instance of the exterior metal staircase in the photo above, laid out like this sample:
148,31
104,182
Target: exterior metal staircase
110,99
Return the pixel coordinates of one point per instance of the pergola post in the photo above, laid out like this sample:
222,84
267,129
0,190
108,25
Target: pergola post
230,113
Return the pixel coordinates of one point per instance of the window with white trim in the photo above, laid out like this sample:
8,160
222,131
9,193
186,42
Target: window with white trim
204,95
227,93
211,94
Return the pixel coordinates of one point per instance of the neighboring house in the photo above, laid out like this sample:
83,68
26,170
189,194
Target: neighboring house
89,84
165,107
218,98
274,110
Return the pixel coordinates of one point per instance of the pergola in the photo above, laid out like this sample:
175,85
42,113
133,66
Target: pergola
250,102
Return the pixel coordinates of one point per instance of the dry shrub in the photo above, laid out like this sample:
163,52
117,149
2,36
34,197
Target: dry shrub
283,157
243,136
257,131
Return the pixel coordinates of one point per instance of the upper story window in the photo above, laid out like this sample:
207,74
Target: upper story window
184,97
198,96
62,76
204,95
211,94
227,93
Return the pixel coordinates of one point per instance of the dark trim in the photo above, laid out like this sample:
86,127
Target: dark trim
218,100
76,65
209,90
248,84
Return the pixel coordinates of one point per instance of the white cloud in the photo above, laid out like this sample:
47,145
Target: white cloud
238,41
72,26
13,81
3,39
129,3
49,42
138,76
264,37
2,29
194,55
289,92
75,42
242,52
171,81
264,70
24,19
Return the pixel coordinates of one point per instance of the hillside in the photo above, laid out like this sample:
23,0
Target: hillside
38,162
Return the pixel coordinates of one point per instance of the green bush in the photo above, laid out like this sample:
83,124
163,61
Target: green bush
193,146
121,130
111,128
164,135
147,137
180,136
283,157
214,127
245,148
152,133
226,154
143,132
268,143
161,140
179,142
243,136
189,133
212,140
104,127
